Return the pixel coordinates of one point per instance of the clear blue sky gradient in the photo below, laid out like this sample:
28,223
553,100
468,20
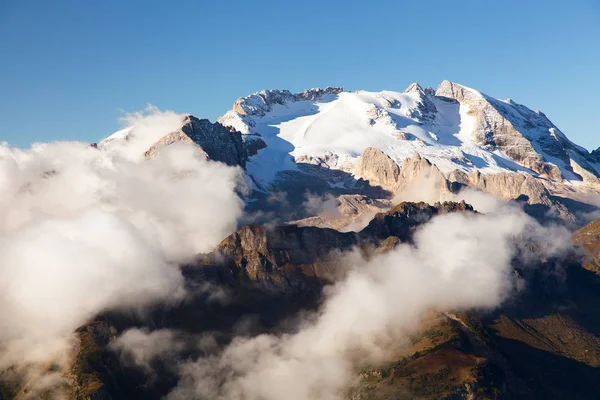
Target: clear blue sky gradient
68,68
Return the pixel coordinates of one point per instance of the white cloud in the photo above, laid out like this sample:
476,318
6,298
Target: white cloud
458,261
83,230
324,205
141,130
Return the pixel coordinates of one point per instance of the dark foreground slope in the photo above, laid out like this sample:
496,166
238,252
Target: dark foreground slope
543,344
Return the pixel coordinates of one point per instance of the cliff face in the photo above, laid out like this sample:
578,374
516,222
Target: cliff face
588,238
510,186
217,142
404,218
287,258
528,137
262,102
418,177
378,168
294,259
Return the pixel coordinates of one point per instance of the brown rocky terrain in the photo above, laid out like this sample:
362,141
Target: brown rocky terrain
218,142
543,344
589,238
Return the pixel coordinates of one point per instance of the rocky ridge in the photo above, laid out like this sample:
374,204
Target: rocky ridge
528,137
455,136
217,142
540,345
452,137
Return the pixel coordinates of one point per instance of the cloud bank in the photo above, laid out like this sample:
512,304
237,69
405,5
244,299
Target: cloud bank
457,262
83,230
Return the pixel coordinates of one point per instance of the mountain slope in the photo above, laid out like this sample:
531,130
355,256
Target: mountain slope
542,344
216,141
455,127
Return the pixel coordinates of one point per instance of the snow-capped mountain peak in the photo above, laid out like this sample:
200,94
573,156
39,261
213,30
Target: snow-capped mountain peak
260,103
144,140
455,127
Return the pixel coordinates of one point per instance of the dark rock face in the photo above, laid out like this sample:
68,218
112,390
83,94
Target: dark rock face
286,258
216,141
262,102
425,109
402,220
588,238
253,144
89,373
219,143
290,259
540,345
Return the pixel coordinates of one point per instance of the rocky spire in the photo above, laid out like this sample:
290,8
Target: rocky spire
413,87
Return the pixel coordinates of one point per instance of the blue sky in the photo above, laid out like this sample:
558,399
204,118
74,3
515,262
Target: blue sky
69,67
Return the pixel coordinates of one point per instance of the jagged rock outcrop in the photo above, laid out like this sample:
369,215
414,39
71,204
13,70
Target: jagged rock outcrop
262,102
418,178
492,129
420,169
353,213
583,169
526,136
510,186
88,374
381,170
403,219
281,257
589,238
291,258
378,168
219,143
425,109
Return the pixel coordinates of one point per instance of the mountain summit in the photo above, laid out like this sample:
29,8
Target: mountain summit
332,140
455,127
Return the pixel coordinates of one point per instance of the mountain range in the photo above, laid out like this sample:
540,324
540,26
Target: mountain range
350,143
428,244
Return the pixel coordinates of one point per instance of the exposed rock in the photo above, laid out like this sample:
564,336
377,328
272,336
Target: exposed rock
262,102
327,160
526,136
404,218
378,168
589,238
413,87
491,128
281,257
219,143
401,135
291,258
510,186
459,177
354,213
253,144
88,373
419,169
584,171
